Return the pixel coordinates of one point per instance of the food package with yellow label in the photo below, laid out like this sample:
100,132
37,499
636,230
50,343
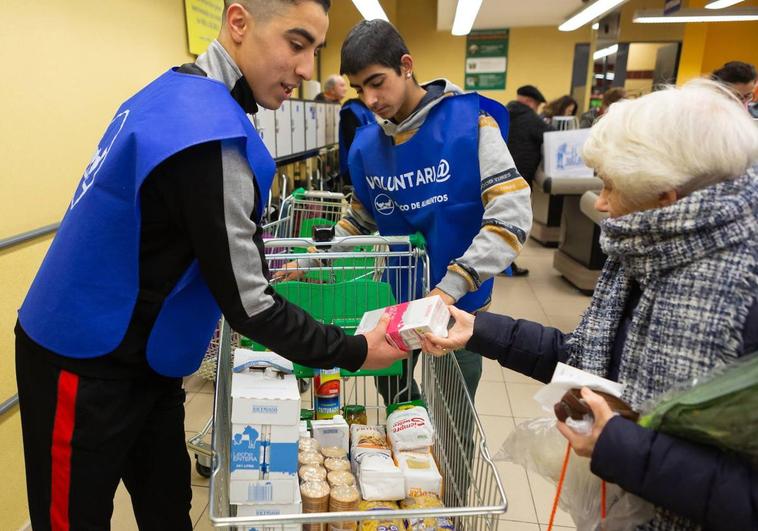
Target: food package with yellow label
420,473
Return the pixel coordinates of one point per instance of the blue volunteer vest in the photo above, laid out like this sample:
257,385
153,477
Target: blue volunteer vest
81,301
430,183
364,116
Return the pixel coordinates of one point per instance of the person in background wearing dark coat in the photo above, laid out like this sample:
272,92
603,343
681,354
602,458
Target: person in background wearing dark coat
525,139
678,297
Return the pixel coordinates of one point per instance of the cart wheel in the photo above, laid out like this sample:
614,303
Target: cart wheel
203,470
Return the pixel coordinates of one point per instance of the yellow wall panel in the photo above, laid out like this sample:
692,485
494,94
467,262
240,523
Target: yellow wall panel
68,66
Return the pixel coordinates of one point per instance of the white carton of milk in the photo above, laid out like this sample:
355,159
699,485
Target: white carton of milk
261,394
409,321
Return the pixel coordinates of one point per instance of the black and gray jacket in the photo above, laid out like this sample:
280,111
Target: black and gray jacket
200,204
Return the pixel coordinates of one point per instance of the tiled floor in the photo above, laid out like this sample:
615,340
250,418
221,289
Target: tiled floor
504,399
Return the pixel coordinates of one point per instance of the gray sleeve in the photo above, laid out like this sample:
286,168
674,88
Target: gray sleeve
507,217
239,205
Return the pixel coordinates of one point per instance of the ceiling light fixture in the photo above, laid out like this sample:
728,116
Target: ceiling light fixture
605,52
656,16
721,4
588,13
465,15
370,9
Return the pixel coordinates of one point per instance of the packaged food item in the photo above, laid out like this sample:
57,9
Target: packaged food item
344,498
426,501
355,414
409,321
336,463
326,387
308,444
380,525
334,451
332,432
380,479
340,477
409,428
315,495
312,473
420,472
310,458
367,440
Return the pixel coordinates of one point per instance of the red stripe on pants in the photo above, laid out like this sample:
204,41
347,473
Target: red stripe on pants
63,430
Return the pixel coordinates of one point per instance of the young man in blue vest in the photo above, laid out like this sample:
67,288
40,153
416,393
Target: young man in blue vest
160,237
435,163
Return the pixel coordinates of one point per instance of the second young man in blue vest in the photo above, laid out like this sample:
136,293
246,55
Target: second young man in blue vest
435,163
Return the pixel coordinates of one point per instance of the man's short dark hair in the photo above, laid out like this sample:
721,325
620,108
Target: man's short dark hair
372,42
735,72
262,8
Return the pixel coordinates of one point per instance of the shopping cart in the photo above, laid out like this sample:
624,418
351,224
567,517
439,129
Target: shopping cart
302,210
473,493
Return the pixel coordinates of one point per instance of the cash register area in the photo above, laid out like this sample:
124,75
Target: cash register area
503,399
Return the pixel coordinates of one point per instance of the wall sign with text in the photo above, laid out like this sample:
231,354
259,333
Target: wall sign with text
203,23
486,60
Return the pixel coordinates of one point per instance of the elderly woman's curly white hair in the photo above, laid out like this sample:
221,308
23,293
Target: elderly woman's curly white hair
680,139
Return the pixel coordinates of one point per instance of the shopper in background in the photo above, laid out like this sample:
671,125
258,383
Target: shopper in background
334,90
678,295
611,96
161,236
563,106
525,139
740,77
353,115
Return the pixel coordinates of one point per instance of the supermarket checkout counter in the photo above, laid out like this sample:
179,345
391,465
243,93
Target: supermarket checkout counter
579,258
550,195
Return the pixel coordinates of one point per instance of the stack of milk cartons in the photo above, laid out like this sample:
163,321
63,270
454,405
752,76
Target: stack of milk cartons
265,432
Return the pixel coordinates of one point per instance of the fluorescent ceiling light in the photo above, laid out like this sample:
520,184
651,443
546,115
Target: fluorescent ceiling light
656,16
721,4
465,14
596,26
595,10
370,9
605,52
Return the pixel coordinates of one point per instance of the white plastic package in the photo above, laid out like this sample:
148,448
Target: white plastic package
380,479
537,445
410,429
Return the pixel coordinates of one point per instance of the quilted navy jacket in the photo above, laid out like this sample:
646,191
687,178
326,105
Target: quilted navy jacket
716,489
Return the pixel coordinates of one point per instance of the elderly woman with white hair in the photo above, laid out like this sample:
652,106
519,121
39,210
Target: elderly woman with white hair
676,298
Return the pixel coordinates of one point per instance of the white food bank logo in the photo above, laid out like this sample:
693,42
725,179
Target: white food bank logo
438,173
103,148
384,204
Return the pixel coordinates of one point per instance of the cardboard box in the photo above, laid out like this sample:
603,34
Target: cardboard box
409,321
269,491
264,396
332,432
272,509
263,451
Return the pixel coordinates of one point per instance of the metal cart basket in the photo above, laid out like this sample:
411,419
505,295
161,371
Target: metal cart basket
301,210
338,292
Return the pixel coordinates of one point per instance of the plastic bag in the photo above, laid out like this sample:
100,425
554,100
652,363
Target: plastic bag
537,445
720,409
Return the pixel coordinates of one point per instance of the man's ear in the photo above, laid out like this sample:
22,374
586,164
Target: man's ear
237,21
667,198
406,65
